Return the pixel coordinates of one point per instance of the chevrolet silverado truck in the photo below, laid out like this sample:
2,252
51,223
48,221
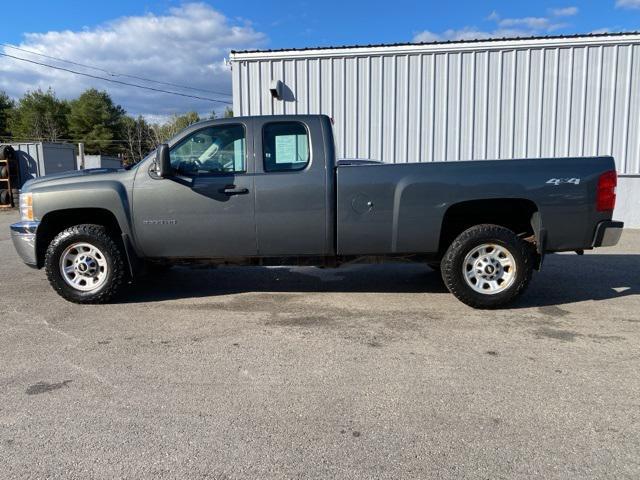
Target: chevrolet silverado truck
269,191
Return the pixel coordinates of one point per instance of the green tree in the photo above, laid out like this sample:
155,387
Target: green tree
40,116
180,122
6,110
228,113
163,132
95,120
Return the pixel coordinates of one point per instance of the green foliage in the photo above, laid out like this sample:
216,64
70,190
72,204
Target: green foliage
228,113
163,132
40,116
180,122
92,119
7,107
95,120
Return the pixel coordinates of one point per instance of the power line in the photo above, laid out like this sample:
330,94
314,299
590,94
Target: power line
115,74
115,81
69,140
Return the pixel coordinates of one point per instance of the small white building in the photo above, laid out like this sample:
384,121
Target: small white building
98,161
466,100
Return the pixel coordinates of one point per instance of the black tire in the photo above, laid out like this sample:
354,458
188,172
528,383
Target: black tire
97,236
4,171
5,197
454,259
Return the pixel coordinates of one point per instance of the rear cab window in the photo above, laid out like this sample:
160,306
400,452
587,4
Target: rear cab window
285,146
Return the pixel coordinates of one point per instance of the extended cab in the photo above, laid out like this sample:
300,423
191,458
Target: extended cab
269,191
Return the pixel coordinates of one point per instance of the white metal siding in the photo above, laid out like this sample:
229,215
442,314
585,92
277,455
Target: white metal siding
461,101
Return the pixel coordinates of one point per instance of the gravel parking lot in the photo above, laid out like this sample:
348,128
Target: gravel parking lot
360,372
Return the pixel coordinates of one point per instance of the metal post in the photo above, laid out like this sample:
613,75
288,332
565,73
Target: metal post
81,155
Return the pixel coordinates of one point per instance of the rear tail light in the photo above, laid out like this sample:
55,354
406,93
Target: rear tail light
606,195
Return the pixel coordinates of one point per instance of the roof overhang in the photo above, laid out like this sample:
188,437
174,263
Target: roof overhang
441,47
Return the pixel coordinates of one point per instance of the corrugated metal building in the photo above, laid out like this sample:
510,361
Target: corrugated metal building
469,100
41,158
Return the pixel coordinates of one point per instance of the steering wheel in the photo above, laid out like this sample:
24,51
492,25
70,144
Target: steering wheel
195,161
225,159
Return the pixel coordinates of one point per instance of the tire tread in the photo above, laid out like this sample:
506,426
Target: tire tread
452,277
118,267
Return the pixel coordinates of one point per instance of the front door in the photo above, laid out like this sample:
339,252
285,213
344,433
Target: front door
206,208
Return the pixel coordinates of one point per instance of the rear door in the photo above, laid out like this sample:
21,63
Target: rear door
206,209
291,185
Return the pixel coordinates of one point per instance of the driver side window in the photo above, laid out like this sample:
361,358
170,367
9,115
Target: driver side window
211,150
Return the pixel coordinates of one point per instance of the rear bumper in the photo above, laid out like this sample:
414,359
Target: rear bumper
23,235
607,233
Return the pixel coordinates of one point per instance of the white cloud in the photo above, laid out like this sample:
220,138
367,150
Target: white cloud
533,23
185,46
426,36
503,27
628,3
467,33
564,12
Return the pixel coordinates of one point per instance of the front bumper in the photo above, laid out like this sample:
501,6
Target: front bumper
607,233
23,235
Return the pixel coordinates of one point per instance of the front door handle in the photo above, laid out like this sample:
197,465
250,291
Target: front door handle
233,190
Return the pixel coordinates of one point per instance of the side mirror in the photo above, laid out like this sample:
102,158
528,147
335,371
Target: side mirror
163,161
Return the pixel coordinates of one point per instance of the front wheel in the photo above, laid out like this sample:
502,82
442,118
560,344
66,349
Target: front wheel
85,265
487,266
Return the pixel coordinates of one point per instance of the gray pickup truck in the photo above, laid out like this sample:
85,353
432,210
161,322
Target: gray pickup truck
269,191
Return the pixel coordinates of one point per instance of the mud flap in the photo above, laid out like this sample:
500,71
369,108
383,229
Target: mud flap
134,262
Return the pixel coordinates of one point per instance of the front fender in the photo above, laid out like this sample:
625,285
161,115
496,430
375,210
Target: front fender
109,195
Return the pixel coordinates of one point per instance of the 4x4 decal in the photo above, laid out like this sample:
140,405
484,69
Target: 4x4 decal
558,181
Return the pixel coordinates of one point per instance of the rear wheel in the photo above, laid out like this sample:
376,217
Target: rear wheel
85,265
487,266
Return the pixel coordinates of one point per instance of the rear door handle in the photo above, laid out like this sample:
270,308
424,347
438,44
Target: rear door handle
233,190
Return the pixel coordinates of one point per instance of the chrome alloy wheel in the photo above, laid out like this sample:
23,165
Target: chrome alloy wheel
489,269
84,267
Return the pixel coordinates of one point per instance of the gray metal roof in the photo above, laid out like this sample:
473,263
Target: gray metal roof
444,42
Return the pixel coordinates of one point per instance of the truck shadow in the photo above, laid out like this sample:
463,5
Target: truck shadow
571,278
564,279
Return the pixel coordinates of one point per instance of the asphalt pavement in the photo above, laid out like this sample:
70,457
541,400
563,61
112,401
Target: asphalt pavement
358,372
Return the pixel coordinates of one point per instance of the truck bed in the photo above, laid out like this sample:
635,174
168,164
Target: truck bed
399,208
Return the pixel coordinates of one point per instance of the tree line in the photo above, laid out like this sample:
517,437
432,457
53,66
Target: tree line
93,119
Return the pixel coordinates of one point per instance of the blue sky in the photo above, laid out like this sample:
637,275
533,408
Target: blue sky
297,24
185,42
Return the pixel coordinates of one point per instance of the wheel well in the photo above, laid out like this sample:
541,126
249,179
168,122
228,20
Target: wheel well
512,213
55,222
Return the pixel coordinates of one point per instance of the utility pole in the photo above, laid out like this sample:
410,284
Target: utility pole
81,155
